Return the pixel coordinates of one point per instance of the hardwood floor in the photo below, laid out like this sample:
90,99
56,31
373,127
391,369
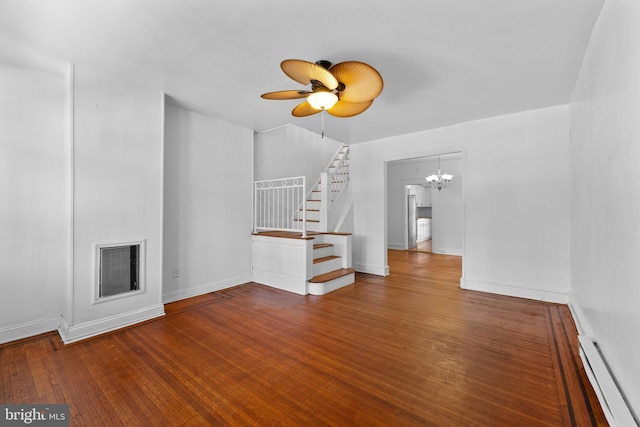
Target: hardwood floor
409,349
423,246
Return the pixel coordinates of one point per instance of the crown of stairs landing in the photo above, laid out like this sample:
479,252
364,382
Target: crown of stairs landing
316,264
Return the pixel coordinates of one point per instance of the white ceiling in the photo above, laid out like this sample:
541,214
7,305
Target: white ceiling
443,61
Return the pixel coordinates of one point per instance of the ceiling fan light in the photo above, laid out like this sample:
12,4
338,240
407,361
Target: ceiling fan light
322,100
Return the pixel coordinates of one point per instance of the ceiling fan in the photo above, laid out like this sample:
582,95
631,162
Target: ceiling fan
342,90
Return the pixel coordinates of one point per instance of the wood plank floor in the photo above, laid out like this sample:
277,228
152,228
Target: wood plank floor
423,246
410,349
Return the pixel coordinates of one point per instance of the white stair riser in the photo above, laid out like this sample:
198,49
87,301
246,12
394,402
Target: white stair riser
327,266
309,221
313,215
331,285
313,204
315,195
314,226
322,252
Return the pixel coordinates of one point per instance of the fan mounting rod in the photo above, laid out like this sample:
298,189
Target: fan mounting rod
324,64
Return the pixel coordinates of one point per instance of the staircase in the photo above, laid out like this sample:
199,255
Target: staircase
316,264
304,257
330,271
322,200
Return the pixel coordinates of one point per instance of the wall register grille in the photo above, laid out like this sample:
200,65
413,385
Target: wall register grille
119,269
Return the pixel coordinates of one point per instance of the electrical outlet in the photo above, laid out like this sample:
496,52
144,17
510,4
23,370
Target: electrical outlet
176,272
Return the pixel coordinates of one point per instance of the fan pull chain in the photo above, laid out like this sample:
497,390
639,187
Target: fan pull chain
322,114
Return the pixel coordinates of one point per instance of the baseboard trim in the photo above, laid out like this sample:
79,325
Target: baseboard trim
370,269
615,407
396,247
85,330
447,251
612,401
511,290
204,289
296,285
29,329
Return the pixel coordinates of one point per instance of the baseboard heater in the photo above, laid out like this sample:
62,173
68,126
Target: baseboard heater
613,403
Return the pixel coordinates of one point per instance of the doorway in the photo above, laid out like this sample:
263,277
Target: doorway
440,212
419,216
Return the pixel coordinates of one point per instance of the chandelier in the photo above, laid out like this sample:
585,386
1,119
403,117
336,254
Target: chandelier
440,180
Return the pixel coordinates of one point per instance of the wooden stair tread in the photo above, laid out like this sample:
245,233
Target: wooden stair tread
285,234
297,234
326,258
332,275
322,245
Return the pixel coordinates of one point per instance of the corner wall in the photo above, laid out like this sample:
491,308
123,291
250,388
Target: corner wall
34,189
605,200
291,151
208,204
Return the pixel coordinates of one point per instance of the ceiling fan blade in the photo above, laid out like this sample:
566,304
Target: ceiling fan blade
305,72
285,94
349,109
304,109
362,82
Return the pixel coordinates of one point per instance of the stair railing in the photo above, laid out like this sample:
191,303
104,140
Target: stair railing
277,205
332,181
338,176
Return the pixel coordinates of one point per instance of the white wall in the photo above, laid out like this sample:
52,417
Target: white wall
117,191
34,226
447,205
110,189
605,193
292,151
448,210
516,200
208,204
